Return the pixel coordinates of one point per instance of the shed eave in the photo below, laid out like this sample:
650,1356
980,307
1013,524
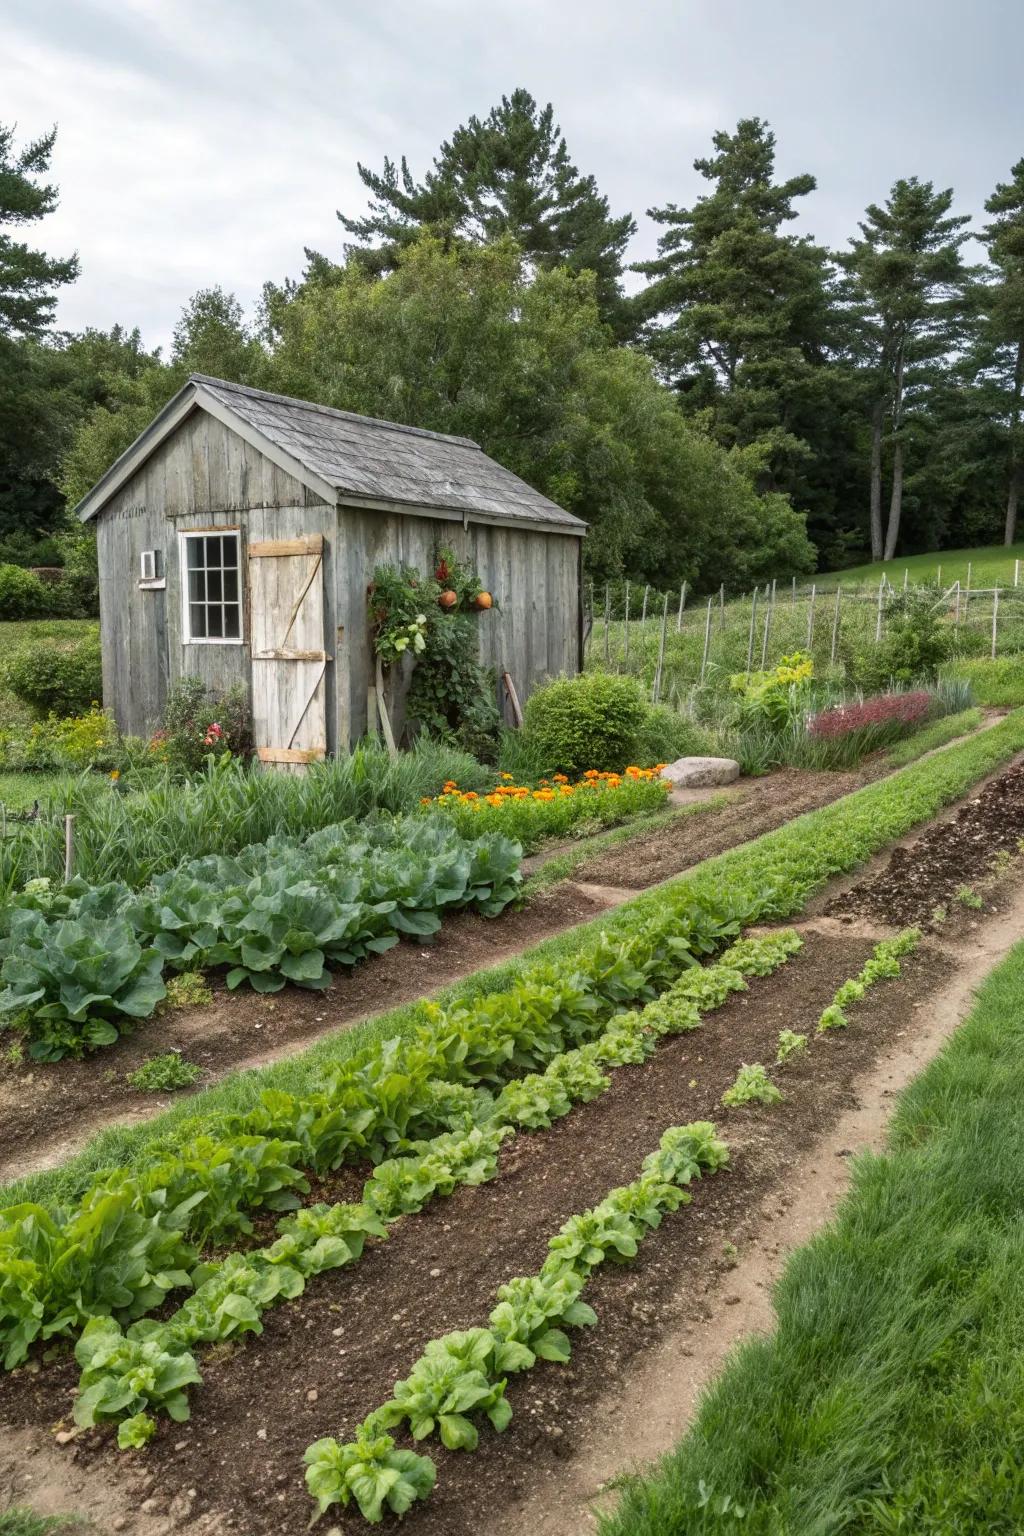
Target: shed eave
166,421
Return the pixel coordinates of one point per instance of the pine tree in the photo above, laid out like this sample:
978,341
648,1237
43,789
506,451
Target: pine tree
1003,332
506,174
739,311
910,287
27,277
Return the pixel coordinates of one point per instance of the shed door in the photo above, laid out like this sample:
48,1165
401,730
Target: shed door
286,639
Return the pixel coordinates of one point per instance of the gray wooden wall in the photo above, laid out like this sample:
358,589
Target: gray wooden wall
205,476
534,578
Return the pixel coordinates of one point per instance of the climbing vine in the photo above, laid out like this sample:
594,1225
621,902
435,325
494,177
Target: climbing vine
433,620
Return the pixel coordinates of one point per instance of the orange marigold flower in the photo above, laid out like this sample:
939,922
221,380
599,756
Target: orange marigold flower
591,773
560,778
566,789
494,799
424,800
543,794
470,794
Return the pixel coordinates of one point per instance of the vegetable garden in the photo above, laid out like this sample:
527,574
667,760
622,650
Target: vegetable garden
429,1236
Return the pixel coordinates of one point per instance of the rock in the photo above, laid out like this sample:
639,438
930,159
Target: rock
732,1301
119,1523
312,1395
696,772
65,1436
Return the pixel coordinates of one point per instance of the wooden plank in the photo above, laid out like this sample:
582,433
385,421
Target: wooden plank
290,754
308,544
282,653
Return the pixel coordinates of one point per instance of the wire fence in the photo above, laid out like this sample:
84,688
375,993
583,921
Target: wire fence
675,643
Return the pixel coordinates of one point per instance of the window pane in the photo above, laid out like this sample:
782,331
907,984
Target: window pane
232,629
197,621
214,591
215,621
212,550
196,586
195,553
231,586
229,550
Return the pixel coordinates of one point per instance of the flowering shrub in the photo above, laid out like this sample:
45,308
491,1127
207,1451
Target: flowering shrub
70,745
197,726
557,806
889,713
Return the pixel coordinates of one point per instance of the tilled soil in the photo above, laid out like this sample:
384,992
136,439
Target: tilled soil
48,1110
332,1355
764,805
950,856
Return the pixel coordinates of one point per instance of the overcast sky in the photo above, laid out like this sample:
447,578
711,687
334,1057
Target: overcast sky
209,141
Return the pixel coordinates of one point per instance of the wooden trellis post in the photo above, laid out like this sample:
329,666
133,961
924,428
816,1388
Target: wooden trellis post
69,848
835,624
643,631
956,620
810,618
773,595
661,651
995,618
881,601
750,637
607,624
682,605
794,589
707,639
626,658
589,641
1016,573
967,592
721,606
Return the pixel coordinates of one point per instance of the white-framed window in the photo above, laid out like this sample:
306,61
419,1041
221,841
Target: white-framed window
211,587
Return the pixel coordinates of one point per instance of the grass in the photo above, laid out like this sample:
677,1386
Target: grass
937,734
996,684
12,634
779,871
18,791
990,564
891,1396
25,1522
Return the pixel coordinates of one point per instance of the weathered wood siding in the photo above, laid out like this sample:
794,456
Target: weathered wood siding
207,477
534,578
204,476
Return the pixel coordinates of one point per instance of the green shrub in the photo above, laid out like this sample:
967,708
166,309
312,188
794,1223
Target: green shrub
22,594
914,644
57,676
666,734
590,721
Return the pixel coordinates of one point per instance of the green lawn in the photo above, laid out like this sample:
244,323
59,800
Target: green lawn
990,564
891,1396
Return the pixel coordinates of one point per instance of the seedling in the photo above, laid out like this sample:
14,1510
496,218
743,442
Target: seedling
164,1074
752,1085
969,898
189,990
790,1044
939,914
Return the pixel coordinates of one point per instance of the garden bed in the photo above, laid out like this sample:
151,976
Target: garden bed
332,1355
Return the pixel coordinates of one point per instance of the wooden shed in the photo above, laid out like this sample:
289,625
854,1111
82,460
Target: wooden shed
238,534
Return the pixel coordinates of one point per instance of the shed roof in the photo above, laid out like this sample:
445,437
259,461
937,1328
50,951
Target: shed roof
350,459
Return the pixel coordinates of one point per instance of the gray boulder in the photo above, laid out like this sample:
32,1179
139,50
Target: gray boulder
697,772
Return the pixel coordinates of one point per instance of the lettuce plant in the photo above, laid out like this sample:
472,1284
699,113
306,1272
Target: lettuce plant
121,1376
752,1085
370,1470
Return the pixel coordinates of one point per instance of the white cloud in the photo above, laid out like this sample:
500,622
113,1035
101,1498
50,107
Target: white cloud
208,141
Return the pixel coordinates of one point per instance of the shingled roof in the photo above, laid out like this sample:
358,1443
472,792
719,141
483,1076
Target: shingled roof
352,459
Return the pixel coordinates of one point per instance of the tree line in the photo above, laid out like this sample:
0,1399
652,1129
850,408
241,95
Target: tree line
759,406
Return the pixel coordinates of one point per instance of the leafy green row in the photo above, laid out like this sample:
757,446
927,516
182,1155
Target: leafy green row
883,965
145,1367
78,962
462,1376
132,1233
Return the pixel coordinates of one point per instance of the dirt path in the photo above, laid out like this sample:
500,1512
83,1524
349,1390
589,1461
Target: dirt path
48,1112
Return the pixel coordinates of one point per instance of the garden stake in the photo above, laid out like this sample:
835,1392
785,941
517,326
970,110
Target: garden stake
967,592
1016,573
794,589
956,620
810,618
643,631
607,637
661,650
682,605
626,657
773,594
835,624
878,621
906,576
750,637
707,640
995,618
69,848
764,639
721,606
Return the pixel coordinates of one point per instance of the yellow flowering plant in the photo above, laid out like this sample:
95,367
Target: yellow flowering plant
557,806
